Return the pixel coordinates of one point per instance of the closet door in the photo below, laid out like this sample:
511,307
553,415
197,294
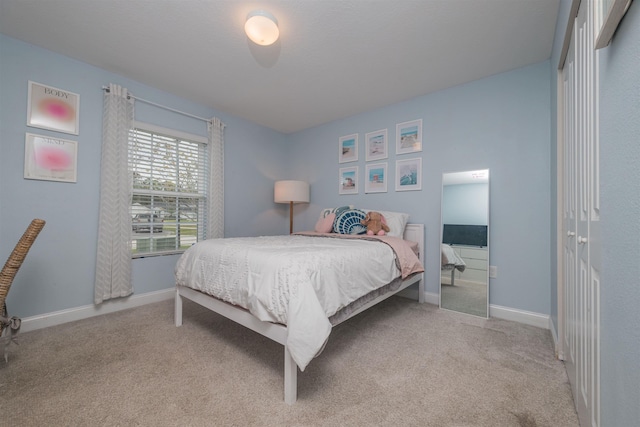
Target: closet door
569,214
581,215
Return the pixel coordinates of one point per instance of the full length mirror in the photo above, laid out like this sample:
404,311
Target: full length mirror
464,274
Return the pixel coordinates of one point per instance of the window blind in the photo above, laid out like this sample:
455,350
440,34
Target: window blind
169,191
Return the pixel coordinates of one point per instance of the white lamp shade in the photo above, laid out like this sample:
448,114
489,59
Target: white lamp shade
262,28
291,191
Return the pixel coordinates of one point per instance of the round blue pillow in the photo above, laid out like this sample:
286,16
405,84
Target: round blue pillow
348,222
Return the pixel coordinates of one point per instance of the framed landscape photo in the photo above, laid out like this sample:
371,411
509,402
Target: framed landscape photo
375,178
409,174
348,148
409,137
50,159
376,145
348,180
53,109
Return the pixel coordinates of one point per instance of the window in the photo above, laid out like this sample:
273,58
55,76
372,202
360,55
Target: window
169,177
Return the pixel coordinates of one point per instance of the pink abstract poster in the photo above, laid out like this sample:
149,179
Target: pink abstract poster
50,159
52,108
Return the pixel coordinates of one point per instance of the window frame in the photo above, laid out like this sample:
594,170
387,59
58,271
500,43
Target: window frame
203,195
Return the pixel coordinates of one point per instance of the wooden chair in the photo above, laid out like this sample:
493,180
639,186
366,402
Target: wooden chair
7,274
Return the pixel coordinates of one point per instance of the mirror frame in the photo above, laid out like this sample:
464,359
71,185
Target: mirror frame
444,174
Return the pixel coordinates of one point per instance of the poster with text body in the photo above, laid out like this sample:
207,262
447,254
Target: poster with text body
53,109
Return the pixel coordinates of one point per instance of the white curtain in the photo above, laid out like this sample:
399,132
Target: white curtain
215,223
113,263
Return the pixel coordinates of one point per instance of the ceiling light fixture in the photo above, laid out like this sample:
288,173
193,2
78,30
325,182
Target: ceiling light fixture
262,27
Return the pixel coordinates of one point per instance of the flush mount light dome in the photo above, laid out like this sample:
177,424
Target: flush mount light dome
262,27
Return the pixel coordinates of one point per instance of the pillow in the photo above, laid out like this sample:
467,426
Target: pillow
396,221
325,224
327,211
348,222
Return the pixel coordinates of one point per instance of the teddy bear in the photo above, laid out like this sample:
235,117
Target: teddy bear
375,223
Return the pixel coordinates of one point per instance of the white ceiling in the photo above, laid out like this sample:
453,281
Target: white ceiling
334,58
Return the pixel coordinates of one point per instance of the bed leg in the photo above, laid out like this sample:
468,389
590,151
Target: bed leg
178,309
421,290
453,277
290,378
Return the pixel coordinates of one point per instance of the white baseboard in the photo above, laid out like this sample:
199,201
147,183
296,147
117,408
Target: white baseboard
520,316
432,298
497,311
86,311
412,293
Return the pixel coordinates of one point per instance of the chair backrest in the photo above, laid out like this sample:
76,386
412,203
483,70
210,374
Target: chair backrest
15,260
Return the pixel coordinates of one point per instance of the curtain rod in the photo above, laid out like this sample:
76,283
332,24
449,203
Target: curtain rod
106,88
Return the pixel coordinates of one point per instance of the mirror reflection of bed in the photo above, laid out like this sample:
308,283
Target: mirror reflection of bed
464,278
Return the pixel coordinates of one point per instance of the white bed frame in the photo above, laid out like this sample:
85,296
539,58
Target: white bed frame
278,332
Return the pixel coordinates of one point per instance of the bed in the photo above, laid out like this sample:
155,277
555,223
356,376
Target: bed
296,311
451,261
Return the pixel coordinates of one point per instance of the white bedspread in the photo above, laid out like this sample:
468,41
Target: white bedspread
298,281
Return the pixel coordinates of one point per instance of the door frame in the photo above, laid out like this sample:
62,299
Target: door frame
560,143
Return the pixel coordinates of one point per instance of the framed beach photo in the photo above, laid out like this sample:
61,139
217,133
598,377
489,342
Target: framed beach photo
409,137
50,159
376,145
53,109
375,178
348,148
348,180
409,174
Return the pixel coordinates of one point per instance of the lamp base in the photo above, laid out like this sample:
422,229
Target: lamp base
290,217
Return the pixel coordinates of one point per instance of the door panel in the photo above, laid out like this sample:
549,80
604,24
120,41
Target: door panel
581,215
569,213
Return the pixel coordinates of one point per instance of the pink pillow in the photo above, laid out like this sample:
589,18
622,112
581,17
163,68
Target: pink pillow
325,225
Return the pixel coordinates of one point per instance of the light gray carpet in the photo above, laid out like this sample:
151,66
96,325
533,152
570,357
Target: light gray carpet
397,364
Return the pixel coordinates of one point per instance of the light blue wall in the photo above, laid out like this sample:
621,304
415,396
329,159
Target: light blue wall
620,222
466,204
500,123
59,271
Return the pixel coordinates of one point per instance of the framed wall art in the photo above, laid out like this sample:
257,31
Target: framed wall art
348,148
409,137
375,178
348,180
376,145
50,159
53,109
409,174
